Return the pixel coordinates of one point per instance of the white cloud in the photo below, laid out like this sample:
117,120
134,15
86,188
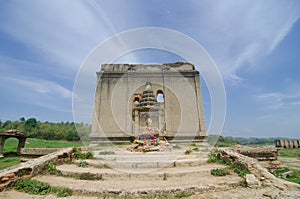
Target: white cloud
272,100
62,31
278,100
239,34
37,92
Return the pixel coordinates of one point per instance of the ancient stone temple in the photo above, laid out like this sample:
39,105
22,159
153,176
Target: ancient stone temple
127,95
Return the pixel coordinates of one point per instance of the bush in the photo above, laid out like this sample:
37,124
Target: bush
219,172
83,163
196,149
79,155
33,187
215,157
188,152
243,183
62,192
52,169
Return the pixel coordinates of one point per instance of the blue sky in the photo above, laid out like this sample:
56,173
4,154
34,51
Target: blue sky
255,45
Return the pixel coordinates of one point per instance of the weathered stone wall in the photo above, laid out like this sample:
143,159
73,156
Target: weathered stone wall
117,84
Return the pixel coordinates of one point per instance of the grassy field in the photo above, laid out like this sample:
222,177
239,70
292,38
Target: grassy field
10,149
290,153
291,156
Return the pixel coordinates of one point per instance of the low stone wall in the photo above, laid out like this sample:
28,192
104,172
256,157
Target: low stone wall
266,153
30,168
287,143
37,152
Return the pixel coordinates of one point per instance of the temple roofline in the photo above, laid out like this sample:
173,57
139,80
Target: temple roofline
178,66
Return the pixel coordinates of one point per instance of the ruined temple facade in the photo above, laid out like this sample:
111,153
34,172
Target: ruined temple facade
128,94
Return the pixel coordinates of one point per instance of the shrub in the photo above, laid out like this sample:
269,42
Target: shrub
69,160
83,163
52,169
188,152
80,155
33,187
219,172
243,183
62,192
215,157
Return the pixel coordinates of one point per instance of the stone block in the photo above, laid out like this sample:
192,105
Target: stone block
4,179
252,181
2,187
10,175
38,151
287,174
27,176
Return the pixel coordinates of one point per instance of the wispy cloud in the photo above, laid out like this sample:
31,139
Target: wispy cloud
277,100
239,34
37,92
60,31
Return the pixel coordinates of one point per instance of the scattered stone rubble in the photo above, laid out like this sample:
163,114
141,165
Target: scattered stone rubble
266,153
252,181
255,168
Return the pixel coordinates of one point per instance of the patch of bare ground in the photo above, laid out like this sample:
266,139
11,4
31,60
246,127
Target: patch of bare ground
291,162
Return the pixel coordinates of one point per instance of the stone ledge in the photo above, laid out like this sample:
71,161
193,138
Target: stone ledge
38,151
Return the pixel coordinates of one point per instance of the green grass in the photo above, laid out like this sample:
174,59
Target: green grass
290,153
293,178
196,149
183,195
215,157
10,148
83,163
9,161
82,155
41,188
11,144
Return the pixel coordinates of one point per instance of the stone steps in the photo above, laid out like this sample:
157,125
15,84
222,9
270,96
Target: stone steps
124,160
168,180
133,173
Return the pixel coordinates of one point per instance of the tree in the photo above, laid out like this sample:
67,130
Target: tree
7,124
22,119
30,124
